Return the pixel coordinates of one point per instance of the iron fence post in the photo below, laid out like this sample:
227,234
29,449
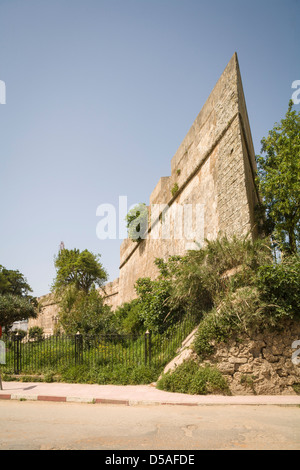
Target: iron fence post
17,354
148,347
78,348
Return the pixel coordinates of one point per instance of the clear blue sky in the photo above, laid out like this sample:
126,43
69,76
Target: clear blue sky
100,94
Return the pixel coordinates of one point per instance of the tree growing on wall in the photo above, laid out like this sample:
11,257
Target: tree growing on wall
279,181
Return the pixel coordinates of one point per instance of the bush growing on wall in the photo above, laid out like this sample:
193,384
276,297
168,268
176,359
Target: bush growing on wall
137,222
273,296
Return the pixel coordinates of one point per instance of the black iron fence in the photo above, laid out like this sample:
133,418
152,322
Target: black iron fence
56,352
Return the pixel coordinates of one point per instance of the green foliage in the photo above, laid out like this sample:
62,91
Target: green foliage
241,311
190,377
36,333
104,375
137,222
155,310
175,189
82,270
128,317
14,308
15,302
279,285
202,278
279,181
272,296
13,282
81,305
85,312
194,283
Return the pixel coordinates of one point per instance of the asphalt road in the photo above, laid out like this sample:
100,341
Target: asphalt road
26,425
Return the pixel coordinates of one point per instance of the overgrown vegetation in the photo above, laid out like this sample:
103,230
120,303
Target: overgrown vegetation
78,275
175,189
16,303
190,377
258,295
278,180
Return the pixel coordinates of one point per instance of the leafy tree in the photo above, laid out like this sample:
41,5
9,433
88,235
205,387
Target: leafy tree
13,282
82,270
15,302
279,181
85,312
81,305
157,311
279,285
128,317
153,296
15,308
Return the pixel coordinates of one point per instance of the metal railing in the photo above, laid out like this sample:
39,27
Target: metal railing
55,352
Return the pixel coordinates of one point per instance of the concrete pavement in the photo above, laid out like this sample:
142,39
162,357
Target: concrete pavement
129,395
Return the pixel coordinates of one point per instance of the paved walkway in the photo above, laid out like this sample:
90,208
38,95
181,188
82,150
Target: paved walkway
129,395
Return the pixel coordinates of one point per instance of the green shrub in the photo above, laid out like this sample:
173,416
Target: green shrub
193,379
274,296
137,222
119,374
242,311
204,277
280,286
212,329
85,312
36,333
155,310
128,317
175,189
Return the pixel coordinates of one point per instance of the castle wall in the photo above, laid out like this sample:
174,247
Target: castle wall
213,170
111,293
213,167
48,315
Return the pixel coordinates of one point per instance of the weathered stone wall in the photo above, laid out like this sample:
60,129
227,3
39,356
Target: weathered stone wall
213,168
262,363
253,364
48,316
110,292
49,309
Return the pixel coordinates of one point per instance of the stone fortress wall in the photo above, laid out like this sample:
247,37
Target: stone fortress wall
213,169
